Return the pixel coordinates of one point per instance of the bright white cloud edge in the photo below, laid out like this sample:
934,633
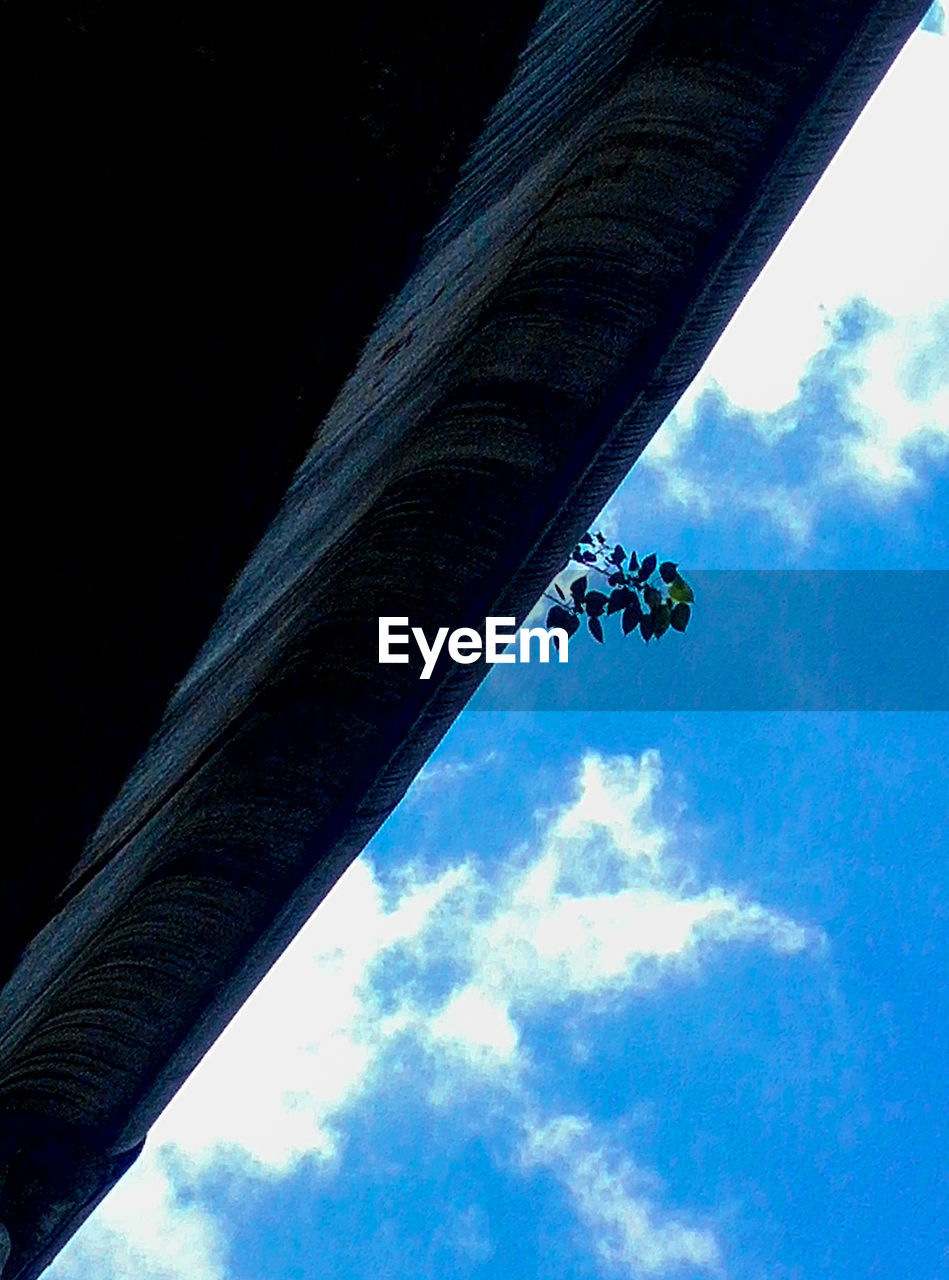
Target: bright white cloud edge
604,905
874,228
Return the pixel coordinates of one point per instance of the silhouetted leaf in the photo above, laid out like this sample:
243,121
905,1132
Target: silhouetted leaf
652,597
595,603
680,591
596,629
632,615
600,539
633,562
619,555
647,568
578,589
661,617
558,617
645,626
587,538
619,599
588,557
679,617
667,571
559,590
616,578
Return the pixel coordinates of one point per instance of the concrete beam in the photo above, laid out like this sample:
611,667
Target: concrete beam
210,203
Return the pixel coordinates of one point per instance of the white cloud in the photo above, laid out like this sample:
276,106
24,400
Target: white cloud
614,799
618,1203
603,904
447,771
477,1026
852,237
269,1093
602,908
471,1234
307,1042
142,1231
892,409
874,228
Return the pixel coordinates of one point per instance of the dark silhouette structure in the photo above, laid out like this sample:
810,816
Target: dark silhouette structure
212,211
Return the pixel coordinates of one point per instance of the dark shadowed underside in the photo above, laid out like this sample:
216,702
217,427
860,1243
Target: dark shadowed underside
624,195
210,204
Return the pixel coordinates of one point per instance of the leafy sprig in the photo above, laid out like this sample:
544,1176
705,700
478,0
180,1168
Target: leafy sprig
643,605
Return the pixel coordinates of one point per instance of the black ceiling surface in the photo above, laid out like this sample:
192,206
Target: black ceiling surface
210,204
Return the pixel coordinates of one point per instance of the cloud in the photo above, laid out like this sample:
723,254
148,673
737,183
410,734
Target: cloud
271,1092
470,1234
145,1231
306,1045
476,1025
451,965
444,772
618,1202
898,402
873,227
868,422
601,908
833,376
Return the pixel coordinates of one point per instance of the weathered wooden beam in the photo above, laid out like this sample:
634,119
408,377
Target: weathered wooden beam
628,189
207,206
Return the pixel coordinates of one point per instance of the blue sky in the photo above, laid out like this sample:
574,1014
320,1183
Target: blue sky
651,993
